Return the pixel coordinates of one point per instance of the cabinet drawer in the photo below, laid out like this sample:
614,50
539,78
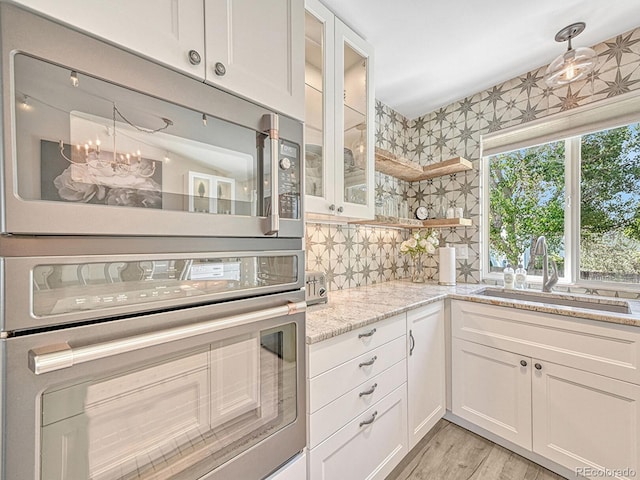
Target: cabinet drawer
336,350
611,350
360,451
336,382
338,413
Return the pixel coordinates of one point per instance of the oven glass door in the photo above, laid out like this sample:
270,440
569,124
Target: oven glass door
131,163
180,417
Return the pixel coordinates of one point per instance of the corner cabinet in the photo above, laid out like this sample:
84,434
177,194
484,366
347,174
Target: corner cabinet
339,114
253,49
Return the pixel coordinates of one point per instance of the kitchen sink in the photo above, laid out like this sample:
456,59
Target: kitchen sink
566,300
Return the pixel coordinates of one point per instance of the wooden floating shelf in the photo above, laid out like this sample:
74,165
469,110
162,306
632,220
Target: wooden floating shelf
382,221
447,222
391,164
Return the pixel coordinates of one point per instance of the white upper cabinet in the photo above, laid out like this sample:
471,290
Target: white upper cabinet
339,104
256,49
169,31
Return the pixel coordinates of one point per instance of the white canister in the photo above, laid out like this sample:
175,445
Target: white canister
447,267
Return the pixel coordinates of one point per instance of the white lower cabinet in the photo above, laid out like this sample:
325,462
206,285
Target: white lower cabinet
493,390
368,447
425,369
357,402
586,422
338,413
374,393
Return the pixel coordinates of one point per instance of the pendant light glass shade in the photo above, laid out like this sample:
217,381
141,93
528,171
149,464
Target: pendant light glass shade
572,65
359,148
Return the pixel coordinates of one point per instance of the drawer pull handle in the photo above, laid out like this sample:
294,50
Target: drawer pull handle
370,391
523,363
370,421
538,366
368,334
369,363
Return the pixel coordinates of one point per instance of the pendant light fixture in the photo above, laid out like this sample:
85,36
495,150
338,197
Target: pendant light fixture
359,148
575,63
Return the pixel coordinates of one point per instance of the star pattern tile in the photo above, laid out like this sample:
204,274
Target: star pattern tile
619,85
571,100
619,47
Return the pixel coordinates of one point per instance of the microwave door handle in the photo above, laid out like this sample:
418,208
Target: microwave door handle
59,356
270,123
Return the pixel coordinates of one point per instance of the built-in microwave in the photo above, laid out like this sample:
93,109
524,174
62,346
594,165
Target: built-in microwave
98,141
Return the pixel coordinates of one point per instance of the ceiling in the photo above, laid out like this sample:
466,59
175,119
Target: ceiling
429,53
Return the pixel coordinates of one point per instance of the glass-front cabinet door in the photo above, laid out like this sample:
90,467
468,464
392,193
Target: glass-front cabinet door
339,100
319,121
354,123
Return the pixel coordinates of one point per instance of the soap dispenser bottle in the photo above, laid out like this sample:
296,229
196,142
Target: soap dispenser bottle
508,275
521,277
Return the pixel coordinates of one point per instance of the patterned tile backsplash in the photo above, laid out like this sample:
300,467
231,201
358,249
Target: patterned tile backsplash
358,255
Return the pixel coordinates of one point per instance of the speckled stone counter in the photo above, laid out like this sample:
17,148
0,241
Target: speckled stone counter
357,307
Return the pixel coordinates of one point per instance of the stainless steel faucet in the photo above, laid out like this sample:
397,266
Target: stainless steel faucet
539,249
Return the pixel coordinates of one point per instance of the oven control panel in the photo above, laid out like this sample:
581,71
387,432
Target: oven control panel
289,180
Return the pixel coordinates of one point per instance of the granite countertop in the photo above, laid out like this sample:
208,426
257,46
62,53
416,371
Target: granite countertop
356,307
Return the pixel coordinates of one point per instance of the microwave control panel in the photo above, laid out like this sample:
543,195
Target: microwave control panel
289,180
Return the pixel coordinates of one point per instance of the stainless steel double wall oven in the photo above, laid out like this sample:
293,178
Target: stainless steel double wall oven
151,268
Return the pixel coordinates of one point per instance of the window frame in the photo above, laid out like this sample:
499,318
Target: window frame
572,206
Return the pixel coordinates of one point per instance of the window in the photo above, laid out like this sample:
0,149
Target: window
582,193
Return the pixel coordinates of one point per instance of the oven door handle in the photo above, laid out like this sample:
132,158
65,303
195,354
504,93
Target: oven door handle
56,357
271,125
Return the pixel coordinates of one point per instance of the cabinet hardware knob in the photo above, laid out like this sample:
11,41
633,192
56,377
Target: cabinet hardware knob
538,366
368,334
523,363
370,391
370,421
194,57
340,209
412,343
368,363
220,69
332,207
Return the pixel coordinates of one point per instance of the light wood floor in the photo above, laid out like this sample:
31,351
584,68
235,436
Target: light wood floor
449,452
